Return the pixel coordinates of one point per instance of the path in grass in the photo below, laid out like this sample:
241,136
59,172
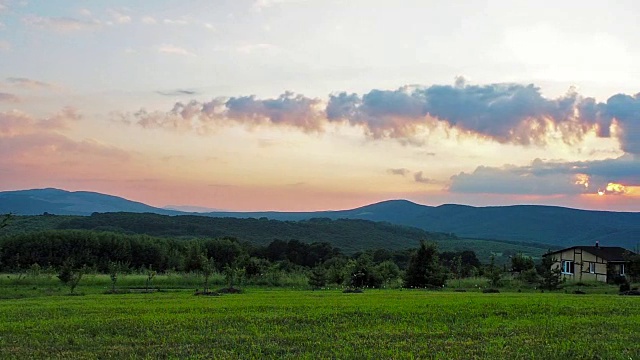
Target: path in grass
324,324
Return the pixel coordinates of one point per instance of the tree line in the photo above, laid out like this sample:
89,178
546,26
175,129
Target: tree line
97,250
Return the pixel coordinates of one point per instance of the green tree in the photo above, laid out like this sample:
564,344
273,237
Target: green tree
151,274
114,270
388,271
520,263
232,275
494,273
207,266
71,275
318,277
551,276
424,269
633,266
5,222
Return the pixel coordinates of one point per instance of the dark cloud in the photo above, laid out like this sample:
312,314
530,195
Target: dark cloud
549,178
177,92
6,97
28,83
626,110
419,177
288,109
401,171
506,113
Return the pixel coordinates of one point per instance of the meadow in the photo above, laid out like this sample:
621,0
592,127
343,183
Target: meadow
292,323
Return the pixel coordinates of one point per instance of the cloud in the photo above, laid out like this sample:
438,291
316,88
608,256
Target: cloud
401,171
419,177
177,92
25,137
27,83
119,17
180,22
175,50
505,113
289,109
61,24
18,122
48,144
625,109
251,48
149,20
551,178
10,98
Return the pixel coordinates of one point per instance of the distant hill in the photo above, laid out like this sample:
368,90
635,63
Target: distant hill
524,223
61,202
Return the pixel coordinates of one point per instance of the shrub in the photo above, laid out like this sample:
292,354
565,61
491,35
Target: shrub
625,287
490,291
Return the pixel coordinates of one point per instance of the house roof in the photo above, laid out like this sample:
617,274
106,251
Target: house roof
609,253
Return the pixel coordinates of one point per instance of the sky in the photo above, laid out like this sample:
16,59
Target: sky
292,105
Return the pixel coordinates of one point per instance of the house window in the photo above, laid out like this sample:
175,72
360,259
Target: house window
567,267
622,269
592,268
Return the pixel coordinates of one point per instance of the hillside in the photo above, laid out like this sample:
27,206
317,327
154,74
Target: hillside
61,202
525,223
350,236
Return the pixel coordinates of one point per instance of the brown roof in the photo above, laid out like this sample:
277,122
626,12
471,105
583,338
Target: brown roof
609,253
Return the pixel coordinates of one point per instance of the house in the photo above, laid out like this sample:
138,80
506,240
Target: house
588,263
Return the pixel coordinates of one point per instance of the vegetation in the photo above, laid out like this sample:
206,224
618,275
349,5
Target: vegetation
551,277
5,221
329,324
425,270
350,236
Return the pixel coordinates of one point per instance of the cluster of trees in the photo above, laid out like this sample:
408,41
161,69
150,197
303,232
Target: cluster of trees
98,251
67,251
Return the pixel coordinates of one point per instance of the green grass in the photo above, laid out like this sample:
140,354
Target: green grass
378,324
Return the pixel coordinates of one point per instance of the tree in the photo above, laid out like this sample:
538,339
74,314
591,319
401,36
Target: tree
551,275
633,266
494,274
114,269
207,266
70,275
151,274
424,269
318,277
5,222
232,274
388,271
520,263
458,269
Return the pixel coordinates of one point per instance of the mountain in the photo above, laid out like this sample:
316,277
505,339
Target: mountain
61,202
522,223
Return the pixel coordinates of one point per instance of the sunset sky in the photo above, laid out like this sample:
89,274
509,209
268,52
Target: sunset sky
315,105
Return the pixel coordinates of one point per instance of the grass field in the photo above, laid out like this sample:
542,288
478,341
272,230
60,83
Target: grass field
378,324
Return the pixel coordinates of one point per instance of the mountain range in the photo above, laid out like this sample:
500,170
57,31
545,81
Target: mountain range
523,223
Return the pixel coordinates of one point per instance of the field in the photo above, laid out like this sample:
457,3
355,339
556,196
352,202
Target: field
285,323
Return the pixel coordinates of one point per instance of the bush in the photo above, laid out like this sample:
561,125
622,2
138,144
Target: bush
619,280
625,287
352,291
490,291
